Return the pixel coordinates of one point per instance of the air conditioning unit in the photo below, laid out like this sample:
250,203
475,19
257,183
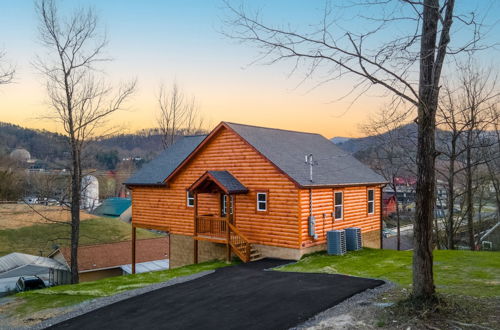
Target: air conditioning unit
353,238
336,242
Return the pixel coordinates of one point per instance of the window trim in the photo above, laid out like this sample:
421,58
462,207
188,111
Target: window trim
368,201
188,199
265,193
335,205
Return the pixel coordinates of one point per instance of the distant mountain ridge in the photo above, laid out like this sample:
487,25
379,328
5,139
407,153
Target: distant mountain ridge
51,147
339,139
356,145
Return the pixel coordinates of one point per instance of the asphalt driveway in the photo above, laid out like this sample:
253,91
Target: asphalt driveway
246,296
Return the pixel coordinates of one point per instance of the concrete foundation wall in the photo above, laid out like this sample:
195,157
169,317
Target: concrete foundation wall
182,251
371,239
100,274
285,253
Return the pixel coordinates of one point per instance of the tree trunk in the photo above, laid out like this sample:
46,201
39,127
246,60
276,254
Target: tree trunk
468,189
398,219
423,281
451,197
479,217
75,212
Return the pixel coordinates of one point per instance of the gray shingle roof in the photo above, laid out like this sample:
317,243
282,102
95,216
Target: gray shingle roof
229,182
287,149
156,171
20,264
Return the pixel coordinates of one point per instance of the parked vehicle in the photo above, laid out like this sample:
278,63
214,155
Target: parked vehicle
27,283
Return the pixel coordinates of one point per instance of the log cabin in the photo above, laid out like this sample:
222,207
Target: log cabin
254,192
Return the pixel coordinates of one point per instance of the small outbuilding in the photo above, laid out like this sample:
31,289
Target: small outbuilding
15,265
106,260
113,207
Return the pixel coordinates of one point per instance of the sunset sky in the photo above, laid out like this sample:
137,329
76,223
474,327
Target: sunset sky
167,41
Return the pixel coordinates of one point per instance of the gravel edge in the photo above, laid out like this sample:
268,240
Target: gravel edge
91,305
345,306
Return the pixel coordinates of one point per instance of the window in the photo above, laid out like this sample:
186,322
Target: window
262,201
189,199
371,201
223,205
339,205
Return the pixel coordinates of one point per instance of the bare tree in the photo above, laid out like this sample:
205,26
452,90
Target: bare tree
80,99
478,90
375,61
6,71
392,153
450,117
465,115
492,156
178,115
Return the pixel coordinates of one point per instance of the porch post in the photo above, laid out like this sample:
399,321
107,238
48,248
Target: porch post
195,231
133,248
229,216
381,201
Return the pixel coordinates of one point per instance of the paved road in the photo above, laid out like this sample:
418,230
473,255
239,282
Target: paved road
239,297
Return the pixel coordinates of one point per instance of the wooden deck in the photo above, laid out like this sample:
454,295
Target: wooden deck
221,230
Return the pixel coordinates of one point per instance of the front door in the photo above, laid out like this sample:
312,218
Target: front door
226,205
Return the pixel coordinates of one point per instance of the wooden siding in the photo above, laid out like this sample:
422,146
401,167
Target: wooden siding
161,207
355,212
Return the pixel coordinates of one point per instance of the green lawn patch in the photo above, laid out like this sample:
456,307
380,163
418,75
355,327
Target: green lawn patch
41,238
456,272
66,295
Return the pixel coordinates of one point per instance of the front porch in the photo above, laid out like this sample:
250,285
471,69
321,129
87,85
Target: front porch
220,228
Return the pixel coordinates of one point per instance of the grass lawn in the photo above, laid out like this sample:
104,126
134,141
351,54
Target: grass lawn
40,238
456,272
66,295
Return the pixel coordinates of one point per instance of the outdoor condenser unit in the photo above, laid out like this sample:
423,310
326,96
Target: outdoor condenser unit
336,242
353,238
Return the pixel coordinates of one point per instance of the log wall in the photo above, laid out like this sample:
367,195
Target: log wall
355,212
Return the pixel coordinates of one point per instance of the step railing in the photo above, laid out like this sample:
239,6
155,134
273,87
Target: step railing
238,242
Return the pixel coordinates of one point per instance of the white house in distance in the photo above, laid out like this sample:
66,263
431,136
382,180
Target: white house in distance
90,193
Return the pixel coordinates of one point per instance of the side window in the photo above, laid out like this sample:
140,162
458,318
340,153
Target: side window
339,205
262,201
371,201
189,199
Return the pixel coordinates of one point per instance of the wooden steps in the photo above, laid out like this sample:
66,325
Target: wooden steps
254,254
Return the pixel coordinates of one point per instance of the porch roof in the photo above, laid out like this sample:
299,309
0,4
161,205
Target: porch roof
222,179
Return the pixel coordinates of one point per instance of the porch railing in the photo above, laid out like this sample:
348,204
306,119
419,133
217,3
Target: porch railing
211,226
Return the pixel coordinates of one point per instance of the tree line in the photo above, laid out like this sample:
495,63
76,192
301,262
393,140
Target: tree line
81,100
